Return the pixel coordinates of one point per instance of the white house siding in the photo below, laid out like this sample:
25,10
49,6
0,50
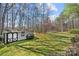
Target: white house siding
20,37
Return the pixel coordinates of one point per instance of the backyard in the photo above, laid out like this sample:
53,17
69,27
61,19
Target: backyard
48,44
39,29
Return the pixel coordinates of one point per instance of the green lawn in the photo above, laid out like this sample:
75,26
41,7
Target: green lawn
48,44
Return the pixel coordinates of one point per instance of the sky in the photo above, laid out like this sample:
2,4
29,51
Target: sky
55,10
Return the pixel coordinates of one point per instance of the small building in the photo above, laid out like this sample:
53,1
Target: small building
11,36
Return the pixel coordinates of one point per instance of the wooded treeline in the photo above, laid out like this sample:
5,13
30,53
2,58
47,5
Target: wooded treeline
35,17
69,18
24,17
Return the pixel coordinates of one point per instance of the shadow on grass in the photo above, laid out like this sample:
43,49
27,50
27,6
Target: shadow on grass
2,52
41,51
21,41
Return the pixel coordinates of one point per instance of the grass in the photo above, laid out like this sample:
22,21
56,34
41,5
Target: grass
48,44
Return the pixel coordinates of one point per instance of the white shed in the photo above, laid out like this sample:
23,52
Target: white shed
13,36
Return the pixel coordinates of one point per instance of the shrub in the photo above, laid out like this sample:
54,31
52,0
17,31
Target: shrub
74,31
30,35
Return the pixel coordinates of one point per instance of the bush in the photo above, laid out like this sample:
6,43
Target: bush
30,35
74,31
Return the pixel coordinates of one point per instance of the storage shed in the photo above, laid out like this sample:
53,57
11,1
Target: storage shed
13,36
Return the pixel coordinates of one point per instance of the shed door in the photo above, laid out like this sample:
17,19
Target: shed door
10,37
14,36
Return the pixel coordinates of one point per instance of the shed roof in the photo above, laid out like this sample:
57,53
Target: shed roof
12,31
